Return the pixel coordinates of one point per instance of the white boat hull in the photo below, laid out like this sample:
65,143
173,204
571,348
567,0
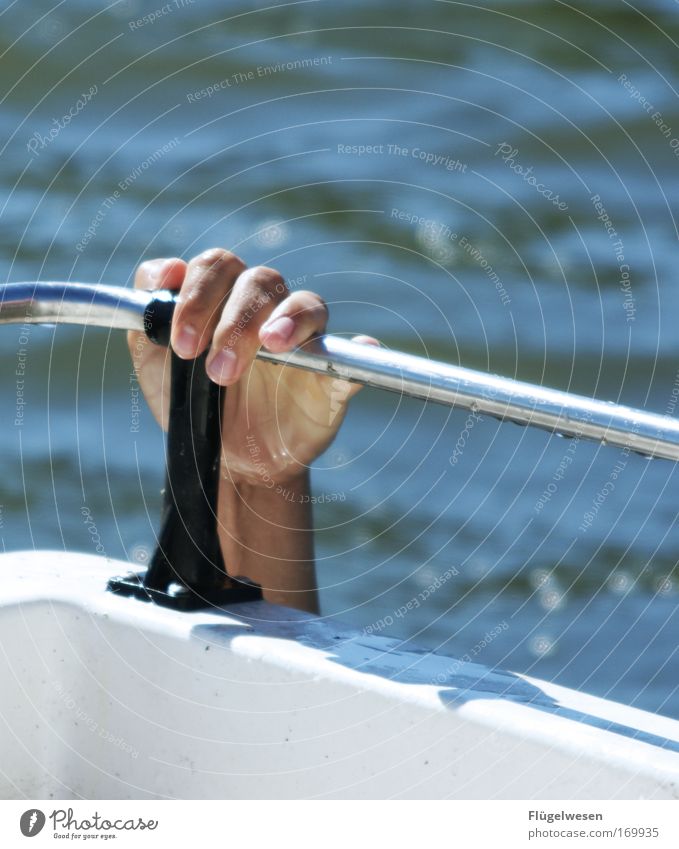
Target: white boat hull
108,697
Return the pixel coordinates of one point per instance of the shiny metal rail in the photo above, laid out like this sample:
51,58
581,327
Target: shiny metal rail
524,403
73,303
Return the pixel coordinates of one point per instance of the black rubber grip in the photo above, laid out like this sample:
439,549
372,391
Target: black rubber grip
158,316
188,544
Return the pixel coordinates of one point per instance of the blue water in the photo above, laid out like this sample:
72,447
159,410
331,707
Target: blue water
444,174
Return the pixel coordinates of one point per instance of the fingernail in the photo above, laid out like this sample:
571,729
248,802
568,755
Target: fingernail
185,341
222,366
282,328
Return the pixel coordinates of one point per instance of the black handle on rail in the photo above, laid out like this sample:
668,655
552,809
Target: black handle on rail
188,547
187,570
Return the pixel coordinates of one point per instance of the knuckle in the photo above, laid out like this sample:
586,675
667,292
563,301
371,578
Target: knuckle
268,279
229,334
147,265
209,276
144,275
218,260
242,322
311,302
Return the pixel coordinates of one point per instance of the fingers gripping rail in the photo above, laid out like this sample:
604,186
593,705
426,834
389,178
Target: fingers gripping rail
187,568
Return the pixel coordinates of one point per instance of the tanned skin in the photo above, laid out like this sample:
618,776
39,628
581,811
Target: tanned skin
277,420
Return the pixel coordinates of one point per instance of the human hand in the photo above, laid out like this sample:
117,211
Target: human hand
277,419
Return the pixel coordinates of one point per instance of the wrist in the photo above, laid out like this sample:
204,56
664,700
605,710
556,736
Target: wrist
266,535
291,487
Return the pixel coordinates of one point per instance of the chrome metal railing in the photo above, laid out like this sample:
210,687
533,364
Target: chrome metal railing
648,433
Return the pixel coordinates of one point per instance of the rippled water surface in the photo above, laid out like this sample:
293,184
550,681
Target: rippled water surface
490,184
